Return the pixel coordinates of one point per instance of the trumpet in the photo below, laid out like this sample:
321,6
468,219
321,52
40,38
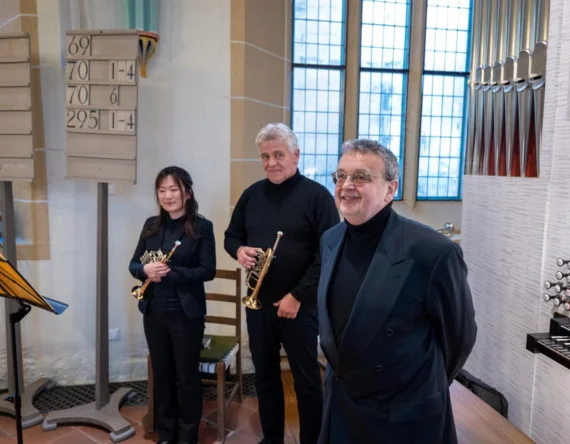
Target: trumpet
258,272
149,257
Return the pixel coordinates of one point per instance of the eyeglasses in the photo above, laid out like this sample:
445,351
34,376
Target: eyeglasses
359,178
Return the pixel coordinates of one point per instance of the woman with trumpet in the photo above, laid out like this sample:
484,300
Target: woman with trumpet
174,304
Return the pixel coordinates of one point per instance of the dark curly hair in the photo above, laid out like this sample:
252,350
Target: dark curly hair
183,179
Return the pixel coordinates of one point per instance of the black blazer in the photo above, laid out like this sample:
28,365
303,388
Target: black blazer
192,264
410,332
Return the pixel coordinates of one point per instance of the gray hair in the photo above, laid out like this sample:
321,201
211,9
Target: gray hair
277,131
363,146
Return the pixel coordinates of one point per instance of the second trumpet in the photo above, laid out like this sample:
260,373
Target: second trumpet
138,291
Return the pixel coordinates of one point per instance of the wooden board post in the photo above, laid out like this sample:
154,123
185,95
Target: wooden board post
16,163
101,121
16,147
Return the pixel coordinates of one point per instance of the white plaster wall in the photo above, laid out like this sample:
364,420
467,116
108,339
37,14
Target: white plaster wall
432,213
512,232
184,119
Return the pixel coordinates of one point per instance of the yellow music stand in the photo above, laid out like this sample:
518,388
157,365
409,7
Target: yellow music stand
14,286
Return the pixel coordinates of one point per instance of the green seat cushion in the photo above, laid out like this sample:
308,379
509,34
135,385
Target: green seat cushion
219,348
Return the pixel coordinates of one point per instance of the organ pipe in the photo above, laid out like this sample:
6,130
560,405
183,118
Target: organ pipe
503,20
475,53
538,73
510,72
479,93
488,127
524,90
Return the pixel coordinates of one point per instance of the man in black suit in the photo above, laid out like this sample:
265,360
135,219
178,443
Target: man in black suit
396,317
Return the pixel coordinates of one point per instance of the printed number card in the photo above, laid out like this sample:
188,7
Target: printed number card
101,105
16,144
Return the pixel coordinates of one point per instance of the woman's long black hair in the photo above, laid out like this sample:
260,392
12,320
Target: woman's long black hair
184,181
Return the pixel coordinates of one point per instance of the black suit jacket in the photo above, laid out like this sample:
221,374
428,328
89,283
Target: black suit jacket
192,264
410,331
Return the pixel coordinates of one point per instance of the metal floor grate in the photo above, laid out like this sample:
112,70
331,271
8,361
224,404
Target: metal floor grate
65,397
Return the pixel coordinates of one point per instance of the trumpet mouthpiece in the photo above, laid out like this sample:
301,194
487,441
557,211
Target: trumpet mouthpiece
280,233
177,243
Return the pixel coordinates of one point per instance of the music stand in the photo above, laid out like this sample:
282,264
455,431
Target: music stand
14,286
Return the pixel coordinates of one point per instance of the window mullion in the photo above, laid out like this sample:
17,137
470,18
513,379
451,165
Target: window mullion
414,101
352,78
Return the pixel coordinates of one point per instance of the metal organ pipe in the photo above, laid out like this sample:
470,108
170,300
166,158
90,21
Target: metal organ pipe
538,74
489,82
524,91
504,18
515,12
510,73
479,93
475,54
529,25
543,21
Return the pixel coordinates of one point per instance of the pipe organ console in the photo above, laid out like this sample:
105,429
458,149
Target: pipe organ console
556,343
506,87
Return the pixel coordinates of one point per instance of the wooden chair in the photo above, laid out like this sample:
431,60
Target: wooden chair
216,358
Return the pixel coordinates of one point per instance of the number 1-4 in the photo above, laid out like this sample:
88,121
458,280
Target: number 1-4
122,121
122,71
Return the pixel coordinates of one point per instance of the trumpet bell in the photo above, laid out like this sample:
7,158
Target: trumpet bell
252,303
136,293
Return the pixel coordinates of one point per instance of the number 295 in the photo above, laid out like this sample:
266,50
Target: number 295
83,119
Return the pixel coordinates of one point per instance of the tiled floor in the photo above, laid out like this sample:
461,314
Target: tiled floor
243,422
243,425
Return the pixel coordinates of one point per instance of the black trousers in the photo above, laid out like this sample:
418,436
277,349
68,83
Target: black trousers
175,343
299,336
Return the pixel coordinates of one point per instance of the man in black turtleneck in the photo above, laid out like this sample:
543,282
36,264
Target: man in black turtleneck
360,243
302,210
396,317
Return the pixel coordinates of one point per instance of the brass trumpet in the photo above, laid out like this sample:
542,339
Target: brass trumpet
149,257
258,272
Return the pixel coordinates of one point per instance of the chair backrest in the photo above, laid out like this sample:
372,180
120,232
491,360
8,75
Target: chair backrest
234,275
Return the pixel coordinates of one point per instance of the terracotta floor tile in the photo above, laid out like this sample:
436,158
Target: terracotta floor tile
37,433
7,425
208,407
243,438
101,436
238,419
134,414
74,437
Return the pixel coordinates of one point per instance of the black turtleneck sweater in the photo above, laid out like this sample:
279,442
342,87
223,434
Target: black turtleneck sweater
359,245
303,210
165,294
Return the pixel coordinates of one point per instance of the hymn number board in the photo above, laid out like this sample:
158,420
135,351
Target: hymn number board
101,105
16,142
